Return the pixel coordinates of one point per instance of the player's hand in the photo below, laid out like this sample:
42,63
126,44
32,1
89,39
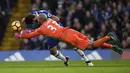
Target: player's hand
25,31
17,35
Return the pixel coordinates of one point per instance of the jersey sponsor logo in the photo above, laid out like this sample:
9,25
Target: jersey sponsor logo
49,15
15,57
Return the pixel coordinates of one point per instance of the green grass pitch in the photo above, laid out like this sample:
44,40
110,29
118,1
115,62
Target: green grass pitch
101,66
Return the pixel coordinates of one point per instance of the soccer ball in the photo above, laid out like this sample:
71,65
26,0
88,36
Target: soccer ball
16,26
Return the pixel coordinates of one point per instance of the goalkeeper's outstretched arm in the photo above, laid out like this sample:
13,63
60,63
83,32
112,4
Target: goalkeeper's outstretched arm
31,34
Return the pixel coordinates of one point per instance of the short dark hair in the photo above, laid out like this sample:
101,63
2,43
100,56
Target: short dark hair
29,19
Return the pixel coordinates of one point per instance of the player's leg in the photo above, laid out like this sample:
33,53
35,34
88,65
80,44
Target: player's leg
83,42
80,41
82,36
71,36
100,42
58,55
111,37
53,50
113,47
81,53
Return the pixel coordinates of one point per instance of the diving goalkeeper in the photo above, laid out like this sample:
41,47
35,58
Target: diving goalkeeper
49,27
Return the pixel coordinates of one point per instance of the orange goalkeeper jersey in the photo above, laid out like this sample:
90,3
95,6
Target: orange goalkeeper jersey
52,29
48,28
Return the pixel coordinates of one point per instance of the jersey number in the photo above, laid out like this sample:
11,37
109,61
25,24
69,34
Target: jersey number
51,27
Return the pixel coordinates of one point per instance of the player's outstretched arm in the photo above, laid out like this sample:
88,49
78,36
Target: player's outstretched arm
28,35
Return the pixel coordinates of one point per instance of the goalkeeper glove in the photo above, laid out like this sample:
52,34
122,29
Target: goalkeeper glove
17,35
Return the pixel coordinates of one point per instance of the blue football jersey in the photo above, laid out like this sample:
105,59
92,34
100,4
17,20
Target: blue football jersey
49,15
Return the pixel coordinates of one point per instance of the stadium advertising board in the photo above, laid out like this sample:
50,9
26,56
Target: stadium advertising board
40,55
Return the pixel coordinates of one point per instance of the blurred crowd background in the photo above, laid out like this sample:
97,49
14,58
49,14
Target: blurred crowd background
5,13
94,18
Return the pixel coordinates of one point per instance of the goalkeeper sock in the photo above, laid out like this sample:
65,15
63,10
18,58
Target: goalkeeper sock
81,53
100,42
106,45
60,56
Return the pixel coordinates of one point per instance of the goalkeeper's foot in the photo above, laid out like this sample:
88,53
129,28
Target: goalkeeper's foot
113,39
89,63
67,61
117,49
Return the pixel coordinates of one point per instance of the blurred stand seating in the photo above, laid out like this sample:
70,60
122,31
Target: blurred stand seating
5,13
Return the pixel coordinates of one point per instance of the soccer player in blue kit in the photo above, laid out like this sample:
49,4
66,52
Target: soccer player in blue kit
52,43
